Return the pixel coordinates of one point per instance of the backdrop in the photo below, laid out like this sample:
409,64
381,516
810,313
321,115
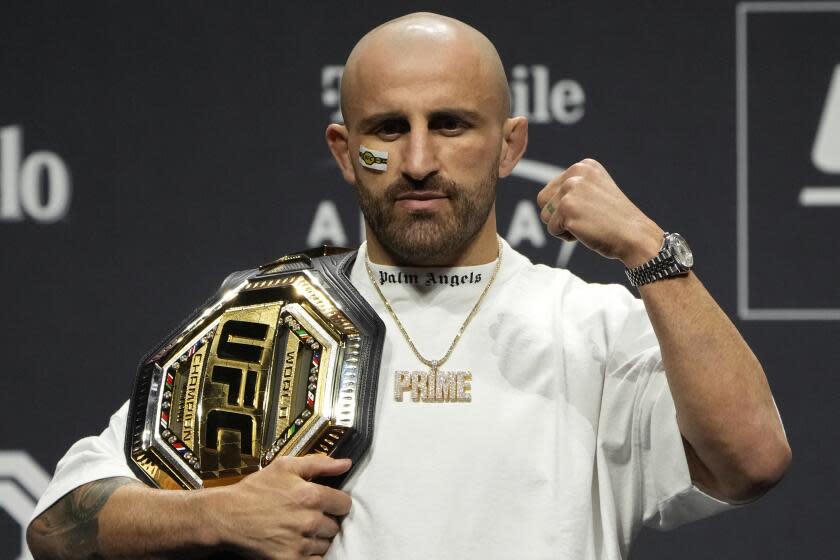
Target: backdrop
147,149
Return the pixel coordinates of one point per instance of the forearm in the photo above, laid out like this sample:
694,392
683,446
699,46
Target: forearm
122,518
736,446
724,406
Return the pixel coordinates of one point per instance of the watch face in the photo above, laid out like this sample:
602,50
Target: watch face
681,251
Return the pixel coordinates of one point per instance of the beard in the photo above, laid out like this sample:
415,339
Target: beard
425,237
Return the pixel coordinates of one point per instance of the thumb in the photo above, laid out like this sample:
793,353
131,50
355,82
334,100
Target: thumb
317,464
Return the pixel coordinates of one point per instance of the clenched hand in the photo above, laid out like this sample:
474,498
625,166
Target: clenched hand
584,203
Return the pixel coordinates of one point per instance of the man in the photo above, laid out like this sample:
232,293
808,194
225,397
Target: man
585,413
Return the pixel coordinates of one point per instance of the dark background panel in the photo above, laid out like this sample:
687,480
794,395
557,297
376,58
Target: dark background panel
193,136
791,59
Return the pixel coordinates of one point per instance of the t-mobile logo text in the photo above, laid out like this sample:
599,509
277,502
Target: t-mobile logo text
532,93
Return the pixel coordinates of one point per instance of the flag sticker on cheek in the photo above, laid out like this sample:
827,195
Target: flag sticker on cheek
373,159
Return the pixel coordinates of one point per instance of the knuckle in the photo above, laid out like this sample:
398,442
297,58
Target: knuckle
308,496
580,168
305,462
320,546
282,463
568,185
346,503
568,204
332,528
563,206
574,182
569,225
309,524
301,548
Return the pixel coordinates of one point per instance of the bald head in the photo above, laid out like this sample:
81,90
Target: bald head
423,42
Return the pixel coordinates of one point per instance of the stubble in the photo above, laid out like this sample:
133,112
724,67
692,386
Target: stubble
425,237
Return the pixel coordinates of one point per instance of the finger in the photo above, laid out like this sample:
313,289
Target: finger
315,465
554,208
316,546
547,193
557,229
327,528
594,164
566,236
556,222
335,502
587,170
579,169
548,211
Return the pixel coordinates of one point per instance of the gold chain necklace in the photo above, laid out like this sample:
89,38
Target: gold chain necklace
433,365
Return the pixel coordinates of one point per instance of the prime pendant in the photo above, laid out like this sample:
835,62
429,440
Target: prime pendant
433,386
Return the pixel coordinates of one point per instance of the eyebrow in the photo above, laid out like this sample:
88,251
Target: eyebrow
376,118
465,114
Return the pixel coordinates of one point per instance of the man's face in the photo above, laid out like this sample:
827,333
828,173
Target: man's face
438,119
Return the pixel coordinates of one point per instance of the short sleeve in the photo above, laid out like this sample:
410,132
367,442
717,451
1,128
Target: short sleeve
640,440
91,458
670,498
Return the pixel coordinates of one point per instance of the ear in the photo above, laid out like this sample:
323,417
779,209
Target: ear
514,142
339,144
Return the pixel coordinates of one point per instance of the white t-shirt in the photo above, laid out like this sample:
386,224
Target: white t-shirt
569,443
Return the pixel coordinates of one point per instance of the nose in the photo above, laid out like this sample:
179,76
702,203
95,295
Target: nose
420,159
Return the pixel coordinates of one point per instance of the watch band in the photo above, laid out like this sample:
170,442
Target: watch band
663,265
659,267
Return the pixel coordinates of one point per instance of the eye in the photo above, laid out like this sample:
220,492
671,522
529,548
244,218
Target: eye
449,124
390,129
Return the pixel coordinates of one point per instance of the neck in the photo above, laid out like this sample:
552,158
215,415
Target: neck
481,249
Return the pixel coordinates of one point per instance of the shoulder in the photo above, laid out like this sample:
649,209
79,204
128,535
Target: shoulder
568,292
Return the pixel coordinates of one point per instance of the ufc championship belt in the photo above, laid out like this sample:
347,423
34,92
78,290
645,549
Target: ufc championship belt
282,361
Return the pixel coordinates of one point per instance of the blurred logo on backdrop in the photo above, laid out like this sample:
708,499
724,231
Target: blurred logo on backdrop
35,187
534,94
22,481
826,151
788,140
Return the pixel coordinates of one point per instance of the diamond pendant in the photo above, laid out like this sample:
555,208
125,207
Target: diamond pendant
433,367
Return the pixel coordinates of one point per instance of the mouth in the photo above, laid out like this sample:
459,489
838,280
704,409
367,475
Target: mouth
421,201
421,195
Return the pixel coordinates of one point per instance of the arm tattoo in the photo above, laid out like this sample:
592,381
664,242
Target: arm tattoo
70,527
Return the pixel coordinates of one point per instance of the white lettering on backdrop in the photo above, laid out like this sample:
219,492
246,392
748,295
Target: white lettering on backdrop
22,190
532,94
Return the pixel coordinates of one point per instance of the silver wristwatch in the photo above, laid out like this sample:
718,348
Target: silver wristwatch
674,259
